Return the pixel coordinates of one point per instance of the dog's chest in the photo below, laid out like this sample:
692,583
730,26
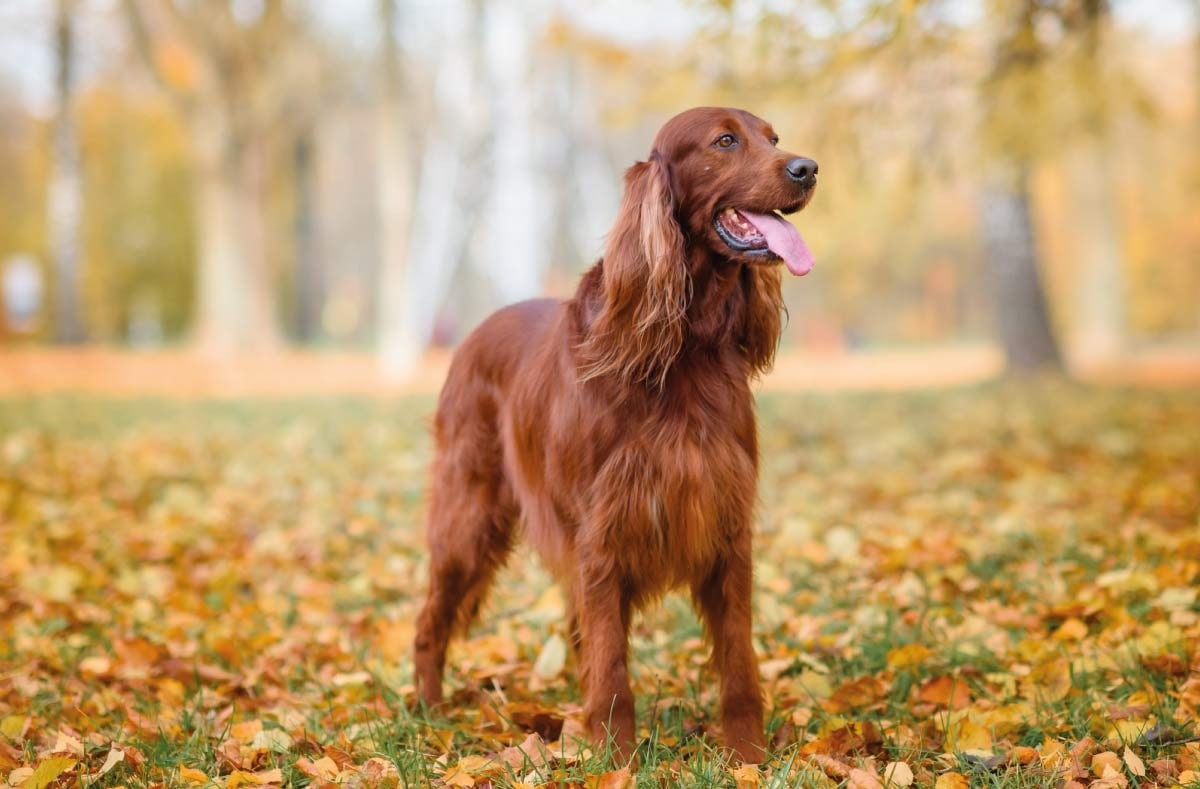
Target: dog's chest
674,497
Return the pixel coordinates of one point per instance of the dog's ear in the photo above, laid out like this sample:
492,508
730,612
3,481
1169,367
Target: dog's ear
762,318
646,287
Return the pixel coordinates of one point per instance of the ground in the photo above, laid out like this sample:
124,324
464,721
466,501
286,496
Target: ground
994,585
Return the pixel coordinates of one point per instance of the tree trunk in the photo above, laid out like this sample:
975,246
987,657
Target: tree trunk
1099,324
310,280
512,256
235,310
399,342
1019,302
442,211
65,193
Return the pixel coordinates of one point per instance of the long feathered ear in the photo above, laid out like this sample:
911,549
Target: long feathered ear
758,335
640,326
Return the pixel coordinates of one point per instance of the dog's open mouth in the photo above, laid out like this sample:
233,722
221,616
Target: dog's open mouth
769,235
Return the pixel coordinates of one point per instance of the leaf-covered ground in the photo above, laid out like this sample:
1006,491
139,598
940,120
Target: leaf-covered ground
986,587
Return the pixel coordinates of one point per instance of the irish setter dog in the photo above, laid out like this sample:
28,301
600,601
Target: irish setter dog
615,430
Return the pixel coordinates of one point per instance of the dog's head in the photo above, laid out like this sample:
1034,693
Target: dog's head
713,183
727,178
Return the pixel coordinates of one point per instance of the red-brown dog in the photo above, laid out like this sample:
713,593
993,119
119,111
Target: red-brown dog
618,426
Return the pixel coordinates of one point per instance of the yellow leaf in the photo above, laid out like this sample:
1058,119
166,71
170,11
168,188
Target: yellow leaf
1048,683
970,736
192,775
243,778
14,726
456,777
814,684
1071,630
951,781
1134,763
47,771
746,776
907,656
474,763
552,659
898,774
246,731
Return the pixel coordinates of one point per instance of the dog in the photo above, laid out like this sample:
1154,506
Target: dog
617,427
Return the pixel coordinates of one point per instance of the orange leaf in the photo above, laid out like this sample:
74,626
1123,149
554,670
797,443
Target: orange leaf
245,731
616,779
951,781
945,691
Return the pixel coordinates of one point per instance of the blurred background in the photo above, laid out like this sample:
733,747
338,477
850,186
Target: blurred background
193,190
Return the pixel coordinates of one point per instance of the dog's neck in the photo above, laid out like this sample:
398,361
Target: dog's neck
718,303
723,313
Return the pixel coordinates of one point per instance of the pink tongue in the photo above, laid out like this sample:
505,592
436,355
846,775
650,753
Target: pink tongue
783,240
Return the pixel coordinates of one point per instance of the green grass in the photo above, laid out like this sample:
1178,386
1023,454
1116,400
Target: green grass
171,569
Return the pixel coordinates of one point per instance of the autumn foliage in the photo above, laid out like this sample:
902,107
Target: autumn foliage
994,586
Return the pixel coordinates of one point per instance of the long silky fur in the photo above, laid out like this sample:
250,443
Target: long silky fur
645,282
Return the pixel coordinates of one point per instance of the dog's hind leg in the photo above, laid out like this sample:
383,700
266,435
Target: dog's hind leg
470,534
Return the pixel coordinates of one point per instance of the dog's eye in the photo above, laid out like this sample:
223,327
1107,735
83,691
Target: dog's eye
774,139
725,141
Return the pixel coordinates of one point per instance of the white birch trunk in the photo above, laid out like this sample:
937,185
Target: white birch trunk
235,309
399,343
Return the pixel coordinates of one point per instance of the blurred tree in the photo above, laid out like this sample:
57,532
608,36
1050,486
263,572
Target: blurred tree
65,193
891,79
400,343
139,224
1014,92
234,71
1099,320
310,276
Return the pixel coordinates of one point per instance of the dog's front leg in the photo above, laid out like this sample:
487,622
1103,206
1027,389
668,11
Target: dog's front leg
724,601
603,607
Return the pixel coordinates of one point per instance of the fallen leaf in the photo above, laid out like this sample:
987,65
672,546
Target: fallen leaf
192,775
862,779
908,655
1134,763
951,781
246,731
1049,683
324,768
1105,759
115,757
552,658
746,776
945,691
456,777
616,779
45,773
898,774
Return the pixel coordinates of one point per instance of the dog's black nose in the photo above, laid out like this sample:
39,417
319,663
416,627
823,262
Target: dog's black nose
803,170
